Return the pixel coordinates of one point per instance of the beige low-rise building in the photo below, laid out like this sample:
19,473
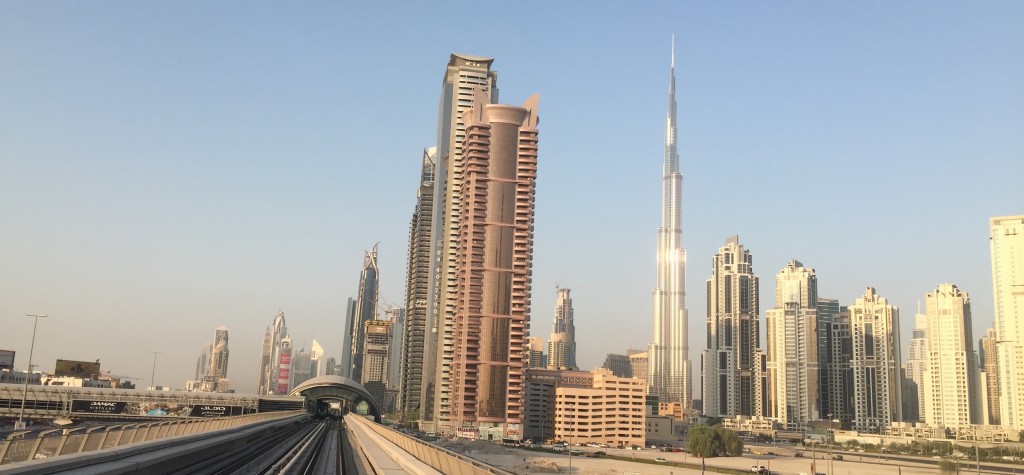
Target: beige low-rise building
611,411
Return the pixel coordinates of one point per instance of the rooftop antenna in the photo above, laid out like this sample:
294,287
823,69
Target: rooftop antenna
673,50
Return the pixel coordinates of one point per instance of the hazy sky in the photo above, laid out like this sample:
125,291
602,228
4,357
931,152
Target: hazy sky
167,168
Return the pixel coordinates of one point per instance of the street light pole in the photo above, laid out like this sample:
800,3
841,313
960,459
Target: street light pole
152,376
572,429
28,371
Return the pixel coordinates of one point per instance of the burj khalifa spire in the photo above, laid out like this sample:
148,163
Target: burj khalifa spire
669,367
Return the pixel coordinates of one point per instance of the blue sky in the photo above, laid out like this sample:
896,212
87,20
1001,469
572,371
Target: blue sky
168,168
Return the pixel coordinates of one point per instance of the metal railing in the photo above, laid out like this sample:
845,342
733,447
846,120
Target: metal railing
438,458
56,442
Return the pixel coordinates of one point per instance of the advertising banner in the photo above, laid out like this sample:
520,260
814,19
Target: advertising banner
97,407
123,408
76,369
213,410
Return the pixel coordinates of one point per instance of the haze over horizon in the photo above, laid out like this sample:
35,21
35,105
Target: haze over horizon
169,169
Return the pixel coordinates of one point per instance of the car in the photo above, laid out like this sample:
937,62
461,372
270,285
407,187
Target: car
799,455
837,457
576,452
600,453
756,468
660,459
763,471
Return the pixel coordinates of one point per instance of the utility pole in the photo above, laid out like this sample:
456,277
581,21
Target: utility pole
28,371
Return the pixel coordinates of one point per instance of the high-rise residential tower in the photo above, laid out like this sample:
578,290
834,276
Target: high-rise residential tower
669,368
219,355
301,368
203,363
316,355
397,316
376,355
792,328
875,363
345,364
417,288
535,352
951,382
365,309
834,354
917,364
990,366
278,332
1006,239
732,373
283,368
266,357
638,363
464,76
562,344
494,266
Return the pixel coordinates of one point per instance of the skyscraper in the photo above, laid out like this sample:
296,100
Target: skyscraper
397,316
365,309
535,352
1006,239
670,373
638,363
347,347
792,328
283,368
917,364
278,332
951,380
619,365
263,384
316,354
219,355
464,76
301,368
375,357
417,289
732,375
834,354
875,363
562,344
494,266
990,365
203,362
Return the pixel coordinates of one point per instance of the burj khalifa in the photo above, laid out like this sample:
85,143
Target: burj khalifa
669,364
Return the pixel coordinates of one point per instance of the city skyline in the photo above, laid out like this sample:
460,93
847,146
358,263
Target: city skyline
225,219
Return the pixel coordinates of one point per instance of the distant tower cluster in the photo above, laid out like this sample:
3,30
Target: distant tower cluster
271,357
212,366
562,344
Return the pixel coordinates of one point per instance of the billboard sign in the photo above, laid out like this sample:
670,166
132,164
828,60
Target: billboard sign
214,410
125,408
7,360
97,407
76,369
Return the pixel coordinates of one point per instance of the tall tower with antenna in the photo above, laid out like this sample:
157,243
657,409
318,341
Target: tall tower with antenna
669,365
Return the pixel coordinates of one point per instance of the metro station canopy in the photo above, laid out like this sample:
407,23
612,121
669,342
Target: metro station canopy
338,388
